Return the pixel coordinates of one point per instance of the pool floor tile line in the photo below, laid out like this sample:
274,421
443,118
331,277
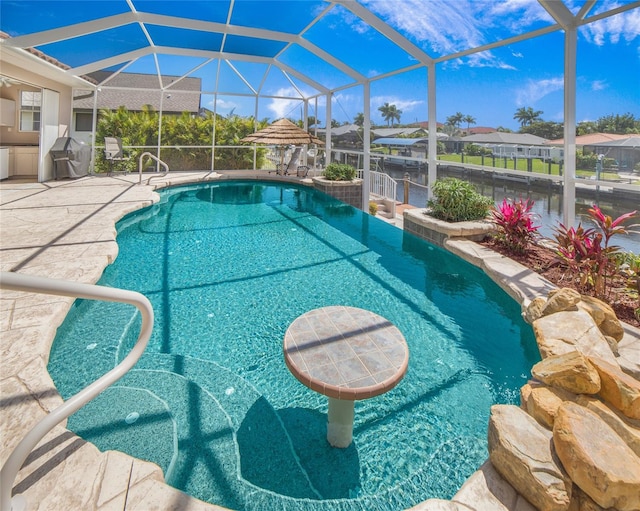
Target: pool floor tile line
66,230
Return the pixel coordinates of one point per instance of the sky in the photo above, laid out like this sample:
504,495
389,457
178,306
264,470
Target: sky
493,85
488,86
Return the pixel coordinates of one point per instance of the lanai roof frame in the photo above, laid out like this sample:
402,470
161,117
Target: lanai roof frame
145,16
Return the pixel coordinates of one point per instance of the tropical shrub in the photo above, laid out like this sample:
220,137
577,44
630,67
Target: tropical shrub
515,224
476,150
588,252
628,265
455,200
339,172
192,134
588,161
373,208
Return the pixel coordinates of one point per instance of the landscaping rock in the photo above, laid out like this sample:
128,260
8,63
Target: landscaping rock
542,402
603,315
567,331
618,388
570,371
627,429
561,300
533,311
440,505
613,344
520,450
487,490
607,469
585,503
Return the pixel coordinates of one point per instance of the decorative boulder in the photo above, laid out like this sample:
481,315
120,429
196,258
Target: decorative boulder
607,469
604,316
542,402
561,300
567,331
520,450
570,371
534,310
627,429
618,388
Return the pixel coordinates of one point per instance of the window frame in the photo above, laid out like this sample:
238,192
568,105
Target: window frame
34,111
86,117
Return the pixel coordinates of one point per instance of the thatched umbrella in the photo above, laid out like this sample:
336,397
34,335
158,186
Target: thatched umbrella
281,133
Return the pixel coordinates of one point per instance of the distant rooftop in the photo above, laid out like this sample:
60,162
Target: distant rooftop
134,90
500,137
590,139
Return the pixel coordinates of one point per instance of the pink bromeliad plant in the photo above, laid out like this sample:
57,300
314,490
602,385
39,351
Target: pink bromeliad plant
588,252
515,224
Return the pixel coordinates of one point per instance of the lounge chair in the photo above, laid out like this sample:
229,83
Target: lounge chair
114,155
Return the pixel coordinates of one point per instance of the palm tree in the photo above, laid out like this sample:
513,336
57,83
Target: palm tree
395,114
526,116
390,113
455,120
359,119
469,119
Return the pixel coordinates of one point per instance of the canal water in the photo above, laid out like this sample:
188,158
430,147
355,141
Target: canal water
547,202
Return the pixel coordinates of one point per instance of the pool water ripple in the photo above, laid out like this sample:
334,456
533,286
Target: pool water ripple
227,268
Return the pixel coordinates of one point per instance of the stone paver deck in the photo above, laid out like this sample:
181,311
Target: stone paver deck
66,230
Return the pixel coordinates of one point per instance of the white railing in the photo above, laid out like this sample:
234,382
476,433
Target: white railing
28,283
153,157
383,186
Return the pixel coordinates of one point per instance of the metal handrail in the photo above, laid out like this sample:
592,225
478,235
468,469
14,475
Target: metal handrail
382,185
19,282
153,157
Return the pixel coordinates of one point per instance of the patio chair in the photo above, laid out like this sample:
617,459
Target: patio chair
302,170
293,162
114,155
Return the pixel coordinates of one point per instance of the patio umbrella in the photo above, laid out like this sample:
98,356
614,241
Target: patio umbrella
281,133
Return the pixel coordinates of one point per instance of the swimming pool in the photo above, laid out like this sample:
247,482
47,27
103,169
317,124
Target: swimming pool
228,266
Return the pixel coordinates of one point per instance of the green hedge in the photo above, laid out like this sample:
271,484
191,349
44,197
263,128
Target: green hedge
457,201
339,172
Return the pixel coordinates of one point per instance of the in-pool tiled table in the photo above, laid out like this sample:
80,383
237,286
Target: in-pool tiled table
346,354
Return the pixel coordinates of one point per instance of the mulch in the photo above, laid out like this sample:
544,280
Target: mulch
545,262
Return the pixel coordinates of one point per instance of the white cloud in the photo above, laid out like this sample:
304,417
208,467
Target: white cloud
599,85
487,59
284,107
224,107
535,90
407,106
447,26
624,26
515,14
444,27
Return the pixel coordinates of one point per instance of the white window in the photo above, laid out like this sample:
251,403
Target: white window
30,103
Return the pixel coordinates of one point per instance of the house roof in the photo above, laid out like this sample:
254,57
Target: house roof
590,139
339,131
629,142
480,130
50,60
134,90
395,132
500,137
400,141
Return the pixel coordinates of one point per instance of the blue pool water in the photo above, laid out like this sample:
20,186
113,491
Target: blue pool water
228,267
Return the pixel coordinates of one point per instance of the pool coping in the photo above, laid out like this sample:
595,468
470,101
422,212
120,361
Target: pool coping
66,229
